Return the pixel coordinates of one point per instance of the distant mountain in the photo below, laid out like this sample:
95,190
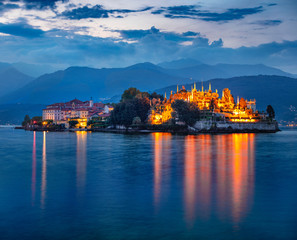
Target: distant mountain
83,82
180,63
278,91
204,72
34,70
11,79
200,72
15,113
251,70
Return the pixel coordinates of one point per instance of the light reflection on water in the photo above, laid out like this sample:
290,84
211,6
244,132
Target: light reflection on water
215,167
33,180
81,161
65,185
43,173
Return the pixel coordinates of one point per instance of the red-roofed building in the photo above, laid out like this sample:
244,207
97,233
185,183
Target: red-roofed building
74,109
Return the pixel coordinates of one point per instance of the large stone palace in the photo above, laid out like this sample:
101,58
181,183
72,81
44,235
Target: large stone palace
209,104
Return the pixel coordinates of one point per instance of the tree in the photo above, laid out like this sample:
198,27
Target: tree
242,104
142,95
186,112
130,94
127,114
37,120
156,96
72,123
142,107
136,121
26,120
270,112
212,104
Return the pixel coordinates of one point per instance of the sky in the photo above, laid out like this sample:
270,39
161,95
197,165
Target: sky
118,33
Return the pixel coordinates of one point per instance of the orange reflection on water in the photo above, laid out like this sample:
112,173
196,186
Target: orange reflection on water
43,171
229,181
242,173
81,160
204,183
33,179
157,166
162,154
223,146
190,178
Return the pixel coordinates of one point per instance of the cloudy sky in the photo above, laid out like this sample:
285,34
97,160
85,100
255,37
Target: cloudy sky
116,33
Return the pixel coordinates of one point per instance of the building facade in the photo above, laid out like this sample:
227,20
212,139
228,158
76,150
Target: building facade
74,109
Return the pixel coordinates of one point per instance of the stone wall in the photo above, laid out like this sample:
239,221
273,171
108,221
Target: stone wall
221,126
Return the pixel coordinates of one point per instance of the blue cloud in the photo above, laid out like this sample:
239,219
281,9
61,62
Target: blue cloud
151,45
39,4
230,14
97,11
169,36
7,7
21,30
194,12
268,23
86,12
190,34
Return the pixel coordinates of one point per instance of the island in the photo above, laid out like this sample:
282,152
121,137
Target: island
188,112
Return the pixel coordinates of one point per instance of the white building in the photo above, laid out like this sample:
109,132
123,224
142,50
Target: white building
73,109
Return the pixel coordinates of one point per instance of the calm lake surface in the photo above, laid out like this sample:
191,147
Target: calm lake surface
156,186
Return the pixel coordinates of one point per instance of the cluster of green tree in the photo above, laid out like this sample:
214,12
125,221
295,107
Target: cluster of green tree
132,93
186,112
34,121
131,111
97,123
270,112
133,108
73,123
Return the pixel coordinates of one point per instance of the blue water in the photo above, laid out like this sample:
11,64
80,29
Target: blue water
155,186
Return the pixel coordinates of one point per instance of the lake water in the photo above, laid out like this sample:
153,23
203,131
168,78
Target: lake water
156,186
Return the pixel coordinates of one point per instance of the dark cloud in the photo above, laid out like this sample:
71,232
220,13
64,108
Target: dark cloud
21,30
230,14
159,11
7,7
86,12
268,22
39,4
151,45
97,11
190,34
218,43
169,36
194,12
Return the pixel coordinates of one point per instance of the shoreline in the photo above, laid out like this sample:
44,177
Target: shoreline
148,131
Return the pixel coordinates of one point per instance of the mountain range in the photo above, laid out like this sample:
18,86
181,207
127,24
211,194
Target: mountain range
11,79
109,83
85,82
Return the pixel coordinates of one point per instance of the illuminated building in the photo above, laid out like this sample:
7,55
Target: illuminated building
209,103
62,113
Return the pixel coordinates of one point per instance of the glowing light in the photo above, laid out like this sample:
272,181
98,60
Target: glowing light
190,179
157,167
33,184
205,100
81,161
43,173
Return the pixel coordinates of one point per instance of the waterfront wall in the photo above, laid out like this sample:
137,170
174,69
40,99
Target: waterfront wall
236,126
